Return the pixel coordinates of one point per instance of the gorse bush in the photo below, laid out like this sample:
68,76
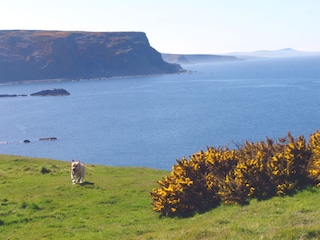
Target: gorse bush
255,170
314,163
193,184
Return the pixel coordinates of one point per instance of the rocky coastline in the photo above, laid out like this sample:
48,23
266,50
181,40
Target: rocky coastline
43,93
32,55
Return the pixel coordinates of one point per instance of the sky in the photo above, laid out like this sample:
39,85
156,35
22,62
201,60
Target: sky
179,26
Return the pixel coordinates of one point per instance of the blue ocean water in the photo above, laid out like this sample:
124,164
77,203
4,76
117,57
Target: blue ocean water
151,121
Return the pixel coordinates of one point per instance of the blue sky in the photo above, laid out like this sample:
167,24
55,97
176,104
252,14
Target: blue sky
180,26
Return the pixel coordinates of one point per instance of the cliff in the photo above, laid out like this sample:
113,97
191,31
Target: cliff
38,55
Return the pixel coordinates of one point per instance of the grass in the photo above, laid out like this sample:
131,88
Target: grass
38,201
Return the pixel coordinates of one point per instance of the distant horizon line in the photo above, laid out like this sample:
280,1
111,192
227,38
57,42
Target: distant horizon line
166,52
292,50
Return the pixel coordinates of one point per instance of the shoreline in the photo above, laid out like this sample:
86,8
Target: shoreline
57,80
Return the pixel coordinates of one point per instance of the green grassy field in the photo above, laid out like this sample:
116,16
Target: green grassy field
38,201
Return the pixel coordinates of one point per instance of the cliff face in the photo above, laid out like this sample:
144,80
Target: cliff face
37,55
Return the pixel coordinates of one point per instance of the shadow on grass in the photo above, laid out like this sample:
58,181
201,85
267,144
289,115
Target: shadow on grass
87,183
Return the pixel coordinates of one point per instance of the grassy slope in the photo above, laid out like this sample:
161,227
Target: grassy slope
114,203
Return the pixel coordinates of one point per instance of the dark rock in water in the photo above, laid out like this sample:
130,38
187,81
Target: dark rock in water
8,95
54,92
13,95
27,55
26,141
48,139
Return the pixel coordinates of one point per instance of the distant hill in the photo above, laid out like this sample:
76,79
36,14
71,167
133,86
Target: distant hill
286,52
38,55
196,58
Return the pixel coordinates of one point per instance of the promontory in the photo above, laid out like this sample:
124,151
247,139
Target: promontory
27,55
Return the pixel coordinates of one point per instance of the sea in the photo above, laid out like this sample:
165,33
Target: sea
151,121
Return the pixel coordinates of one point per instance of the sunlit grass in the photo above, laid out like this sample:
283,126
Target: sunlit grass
38,201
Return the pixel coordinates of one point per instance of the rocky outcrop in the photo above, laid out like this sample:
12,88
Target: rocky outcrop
39,55
48,139
13,95
43,93
54,92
